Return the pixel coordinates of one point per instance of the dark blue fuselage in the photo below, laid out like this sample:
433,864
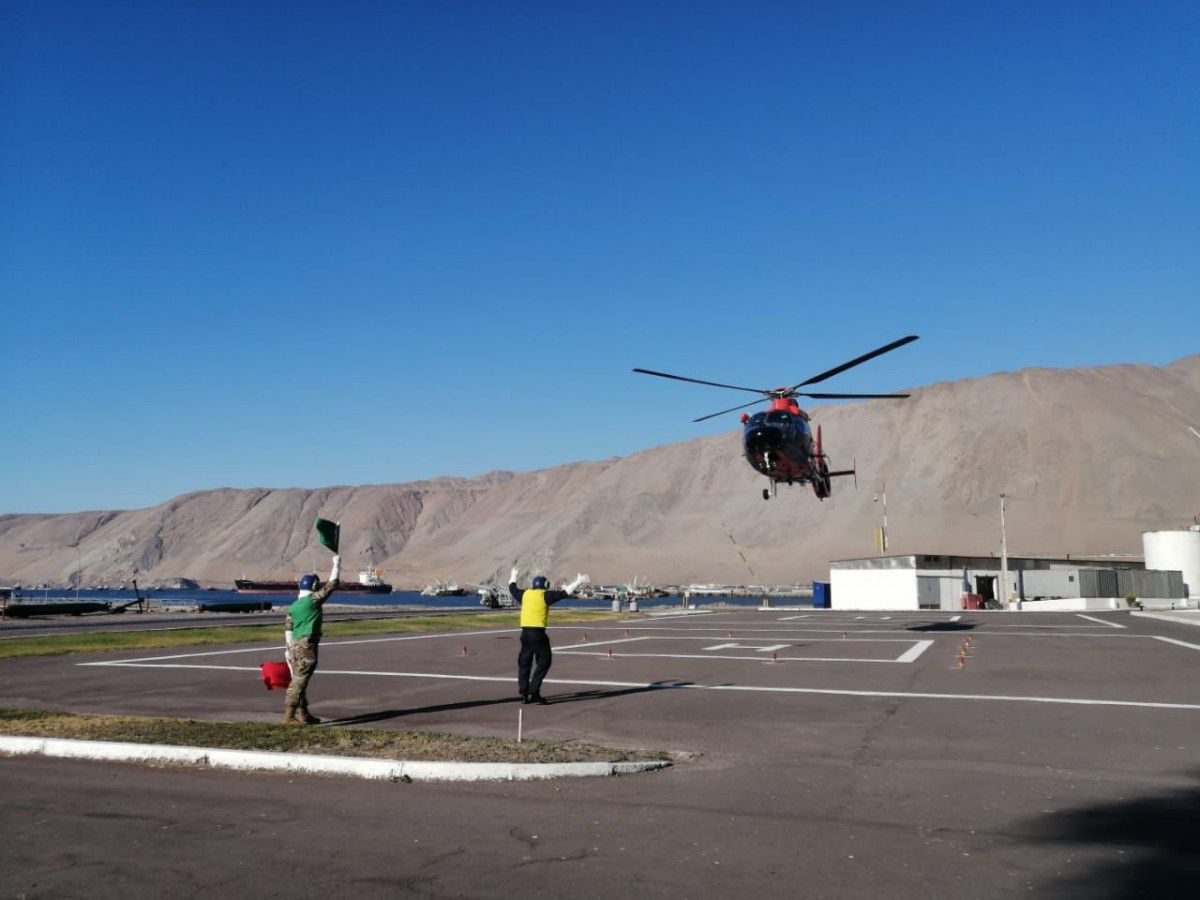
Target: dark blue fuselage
778,443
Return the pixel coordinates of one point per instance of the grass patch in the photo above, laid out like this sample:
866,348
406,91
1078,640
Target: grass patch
63,644
369,742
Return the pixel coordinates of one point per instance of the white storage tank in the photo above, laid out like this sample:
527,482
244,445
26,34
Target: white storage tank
1175,551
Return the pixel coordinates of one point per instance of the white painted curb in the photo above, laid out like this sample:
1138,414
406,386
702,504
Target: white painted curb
358,767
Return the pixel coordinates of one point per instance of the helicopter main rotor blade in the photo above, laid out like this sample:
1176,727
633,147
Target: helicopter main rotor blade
733,387
853,396
731,409
859,361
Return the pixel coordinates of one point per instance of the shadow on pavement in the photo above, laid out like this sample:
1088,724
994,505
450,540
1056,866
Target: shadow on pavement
1156,837
603,695
553,699
945,626
385,714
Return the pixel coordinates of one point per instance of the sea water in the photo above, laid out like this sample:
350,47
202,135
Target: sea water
168,599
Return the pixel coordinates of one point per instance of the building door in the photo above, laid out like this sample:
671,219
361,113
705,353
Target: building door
929,594
985,587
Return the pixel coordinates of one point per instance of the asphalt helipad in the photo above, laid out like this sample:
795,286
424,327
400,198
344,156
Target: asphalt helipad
685,670
985,753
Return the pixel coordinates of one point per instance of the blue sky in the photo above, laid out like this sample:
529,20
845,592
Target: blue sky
285,244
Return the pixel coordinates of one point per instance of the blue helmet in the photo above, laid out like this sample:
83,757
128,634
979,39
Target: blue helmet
309,583
540,583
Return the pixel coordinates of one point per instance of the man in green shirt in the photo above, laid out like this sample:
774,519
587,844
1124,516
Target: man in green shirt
303,634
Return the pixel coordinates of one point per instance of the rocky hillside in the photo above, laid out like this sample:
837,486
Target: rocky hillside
1089,458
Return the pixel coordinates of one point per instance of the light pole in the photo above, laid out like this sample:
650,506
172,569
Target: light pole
1003,587
1004,559
78,569
883,541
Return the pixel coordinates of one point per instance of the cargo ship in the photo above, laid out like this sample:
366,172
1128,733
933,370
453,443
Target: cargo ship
370,581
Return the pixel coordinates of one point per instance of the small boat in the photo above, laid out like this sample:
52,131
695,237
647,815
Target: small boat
443,589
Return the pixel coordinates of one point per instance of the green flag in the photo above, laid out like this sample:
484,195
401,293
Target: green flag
328,532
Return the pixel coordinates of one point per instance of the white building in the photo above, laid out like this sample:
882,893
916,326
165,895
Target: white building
926,581
1175,550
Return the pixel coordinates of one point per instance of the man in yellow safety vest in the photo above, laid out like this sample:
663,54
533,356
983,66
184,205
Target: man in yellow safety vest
535,603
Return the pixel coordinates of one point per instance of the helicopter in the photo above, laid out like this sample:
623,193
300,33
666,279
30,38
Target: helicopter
779,442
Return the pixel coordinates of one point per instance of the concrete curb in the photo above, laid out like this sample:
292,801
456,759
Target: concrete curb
303,763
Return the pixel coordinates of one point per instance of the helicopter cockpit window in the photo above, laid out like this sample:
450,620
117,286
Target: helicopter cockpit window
757,419
779,417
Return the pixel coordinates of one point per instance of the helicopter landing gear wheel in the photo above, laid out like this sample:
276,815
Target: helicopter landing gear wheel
766,493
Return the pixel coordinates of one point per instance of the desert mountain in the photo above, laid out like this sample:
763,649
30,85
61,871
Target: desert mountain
1089,458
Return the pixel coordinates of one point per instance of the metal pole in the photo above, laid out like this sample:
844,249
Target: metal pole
885,542
1004,559
881,541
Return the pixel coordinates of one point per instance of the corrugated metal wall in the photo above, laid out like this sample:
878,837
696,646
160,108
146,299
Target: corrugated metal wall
1101,583
1158,584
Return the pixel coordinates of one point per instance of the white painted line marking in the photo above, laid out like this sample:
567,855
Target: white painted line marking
606,642
912,654
1101,621
955,618
723,657
1092,635
660,685
709,637
1035,628
1159,637
745,647
276,648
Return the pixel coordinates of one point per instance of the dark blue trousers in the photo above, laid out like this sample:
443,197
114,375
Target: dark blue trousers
535,648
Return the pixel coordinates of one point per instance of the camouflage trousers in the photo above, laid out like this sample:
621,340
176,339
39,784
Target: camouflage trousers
302,658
